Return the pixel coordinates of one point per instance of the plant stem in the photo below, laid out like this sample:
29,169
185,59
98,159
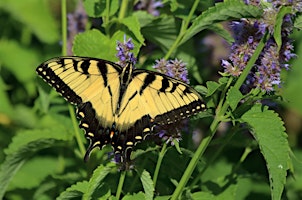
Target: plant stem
123,9
220,112
158,164
76,130
184,27
64,27
120,185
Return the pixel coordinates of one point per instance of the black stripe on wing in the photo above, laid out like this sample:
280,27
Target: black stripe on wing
47,73
183,100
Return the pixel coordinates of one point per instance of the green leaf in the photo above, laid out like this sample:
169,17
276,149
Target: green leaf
23,146
162,31
221,12
96,180
212,87
147,184
278,24
133,25
298,22
203,196
220,30
93,43
41,167
20,61
269,132
44,26
138,196
75,191
98,8
233,97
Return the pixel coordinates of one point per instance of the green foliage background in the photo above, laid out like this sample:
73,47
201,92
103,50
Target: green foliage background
41,147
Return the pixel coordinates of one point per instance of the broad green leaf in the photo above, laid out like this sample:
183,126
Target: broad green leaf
93,43
35,15
41,167
23,146
278,24
233,97
221,12
212,87
162,31
147,184
133,25
269,132
98,8
96,180
74,191
143,17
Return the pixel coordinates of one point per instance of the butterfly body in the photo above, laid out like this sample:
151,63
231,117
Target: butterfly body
119,105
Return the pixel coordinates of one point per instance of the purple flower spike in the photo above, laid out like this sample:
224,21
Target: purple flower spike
124,55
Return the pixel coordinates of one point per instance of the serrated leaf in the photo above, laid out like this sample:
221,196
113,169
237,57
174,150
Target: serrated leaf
278,24
133,25
147,184
75,191
44,26
268,130
212,87
233,97
98,8
96,180
221,12
23,146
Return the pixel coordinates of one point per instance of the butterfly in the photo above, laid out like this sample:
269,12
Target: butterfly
119,105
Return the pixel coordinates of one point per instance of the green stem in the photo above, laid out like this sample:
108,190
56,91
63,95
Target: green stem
182,30
64,27
123,9
158,164
76,130
120,185
219,115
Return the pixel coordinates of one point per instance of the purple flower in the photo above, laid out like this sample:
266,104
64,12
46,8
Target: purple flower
123,52
174,68
248,33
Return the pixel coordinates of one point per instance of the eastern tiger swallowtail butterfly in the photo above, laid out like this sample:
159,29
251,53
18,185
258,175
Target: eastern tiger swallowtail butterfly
119,105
